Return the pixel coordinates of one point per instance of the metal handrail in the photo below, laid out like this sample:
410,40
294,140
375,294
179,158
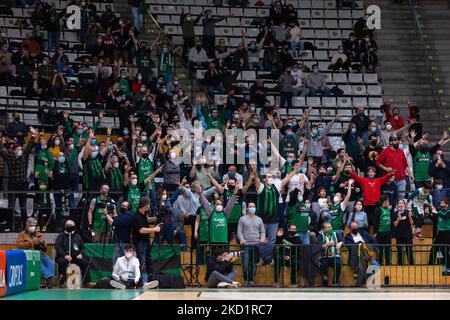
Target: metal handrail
425,51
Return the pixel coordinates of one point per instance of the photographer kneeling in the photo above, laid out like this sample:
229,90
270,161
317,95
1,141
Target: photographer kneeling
219,270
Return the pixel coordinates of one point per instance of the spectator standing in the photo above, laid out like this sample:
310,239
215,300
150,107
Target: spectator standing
250,232
286,82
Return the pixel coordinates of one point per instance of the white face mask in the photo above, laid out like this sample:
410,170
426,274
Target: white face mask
57,142
128,255
358,208
116,165
219,208
439,187
134,182
388,127
173,155
71,146
144,138
164,197
19,153
31,229
270,181
337,199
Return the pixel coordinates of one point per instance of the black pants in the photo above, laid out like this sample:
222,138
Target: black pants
187,45
286,98
419,221
18,186
83,264
404,241
370,212
232,228
292,263
385,240
334,262
440,244
340,64
209,44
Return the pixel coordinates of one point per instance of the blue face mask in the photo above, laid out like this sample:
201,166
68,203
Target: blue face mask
251,210
230,175
289,160
94,154
61,159
137,133
353,130
125,132
93,142
110,148
80,132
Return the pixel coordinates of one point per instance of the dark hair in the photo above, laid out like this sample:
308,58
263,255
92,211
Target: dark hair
383,198
427,185
143,201
446,201
218,252
128,247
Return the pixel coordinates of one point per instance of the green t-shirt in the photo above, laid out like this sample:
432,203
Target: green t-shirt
299,216
219,227
421,163
236,211
337,216
98,220
443,224
385,220
203,227
133,196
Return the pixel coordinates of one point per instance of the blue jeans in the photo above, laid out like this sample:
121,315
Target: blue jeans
212,90
271,231
300,45
255,66
201,253
144,254
249,261
215,278
325,92
401,186
137,18
47,266
53,40
304,237
119,250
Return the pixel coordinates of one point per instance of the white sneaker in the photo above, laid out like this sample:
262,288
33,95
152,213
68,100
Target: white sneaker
224,284
151,285
117,285
235,284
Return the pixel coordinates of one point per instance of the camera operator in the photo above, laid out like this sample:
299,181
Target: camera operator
219,270
100,207
29,239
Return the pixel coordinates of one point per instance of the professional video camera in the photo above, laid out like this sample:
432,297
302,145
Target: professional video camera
162,211
236,254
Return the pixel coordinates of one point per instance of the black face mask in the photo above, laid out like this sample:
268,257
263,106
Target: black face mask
119,143
145,155
292,233
395,146
354,231
231,187
123,210
70,229
373,143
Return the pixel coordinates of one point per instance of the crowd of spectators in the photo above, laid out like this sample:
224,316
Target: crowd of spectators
386,181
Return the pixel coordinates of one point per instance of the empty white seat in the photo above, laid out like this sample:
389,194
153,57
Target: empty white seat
262,12
304,23
328,76
331,24
334,34
3,91
374,90
304,4
317,4
329,102
317,23
201,74
308,33
14,33
295,112
247,75
355,77
321,55
359,101
371,78
321,44
375,103
304,14
79,105
249,12
331,14
334,44
321,34
63,104
344,14
317,14
359,90
33,103
313,102
330,4
346,88
344,102
171,30
298,101
237,12
340,77
345,24
164,19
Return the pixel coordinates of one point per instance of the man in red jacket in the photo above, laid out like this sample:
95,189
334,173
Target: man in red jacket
371,189
393,159
395,119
